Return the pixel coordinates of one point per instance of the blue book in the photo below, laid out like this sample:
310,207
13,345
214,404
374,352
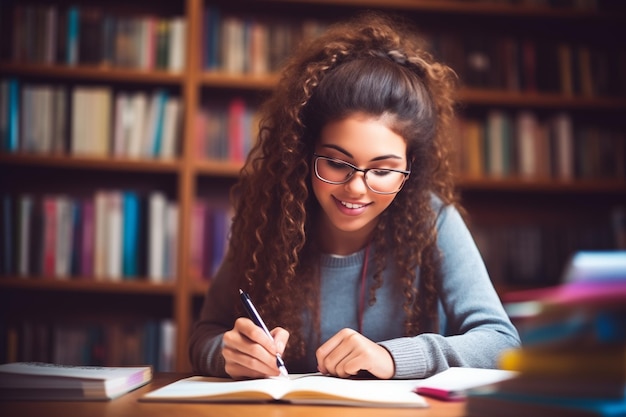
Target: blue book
151,344
13,118
579,326
77,232
73,35
158,130
130,235
212,39
495,403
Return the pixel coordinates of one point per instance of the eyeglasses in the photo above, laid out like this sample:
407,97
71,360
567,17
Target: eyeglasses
379,180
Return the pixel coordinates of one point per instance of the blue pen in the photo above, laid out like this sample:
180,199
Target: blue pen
256,318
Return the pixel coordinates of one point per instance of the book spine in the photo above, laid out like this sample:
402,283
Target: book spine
24,234
73,25
49,240
130,235
88,240
607,363
156,236
13,131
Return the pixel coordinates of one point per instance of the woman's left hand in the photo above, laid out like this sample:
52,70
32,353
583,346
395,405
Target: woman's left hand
348,352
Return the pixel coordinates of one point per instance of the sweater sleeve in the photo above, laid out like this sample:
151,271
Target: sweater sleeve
475,328
216,317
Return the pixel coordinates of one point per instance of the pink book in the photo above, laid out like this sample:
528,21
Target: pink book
86,252
583,292
236,114
200,133
49,236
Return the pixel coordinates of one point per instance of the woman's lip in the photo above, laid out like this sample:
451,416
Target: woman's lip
352,211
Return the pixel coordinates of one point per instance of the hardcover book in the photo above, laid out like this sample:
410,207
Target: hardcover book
46,381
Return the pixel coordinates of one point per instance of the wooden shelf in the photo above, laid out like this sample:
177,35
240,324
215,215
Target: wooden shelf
103,74
86,285
218,168
457,7
265,82
539,100
612,186
198,289
91,163
238,81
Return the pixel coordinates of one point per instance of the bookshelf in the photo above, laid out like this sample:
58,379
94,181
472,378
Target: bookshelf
549,207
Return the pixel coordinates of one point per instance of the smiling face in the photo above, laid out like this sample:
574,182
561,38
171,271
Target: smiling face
350,211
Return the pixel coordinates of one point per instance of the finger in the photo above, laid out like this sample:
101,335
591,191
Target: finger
253,332
253,361
351,365
333,351
281,336
238,348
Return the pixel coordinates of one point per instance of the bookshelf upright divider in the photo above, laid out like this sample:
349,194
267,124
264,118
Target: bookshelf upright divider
187,181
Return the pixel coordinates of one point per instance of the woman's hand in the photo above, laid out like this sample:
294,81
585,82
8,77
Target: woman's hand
348,352
249,353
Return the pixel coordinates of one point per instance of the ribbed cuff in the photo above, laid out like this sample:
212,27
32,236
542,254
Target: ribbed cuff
409,357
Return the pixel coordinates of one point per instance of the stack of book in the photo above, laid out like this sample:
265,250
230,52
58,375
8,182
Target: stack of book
48,381
573,356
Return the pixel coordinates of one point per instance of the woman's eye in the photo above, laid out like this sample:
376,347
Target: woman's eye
338,165
380,172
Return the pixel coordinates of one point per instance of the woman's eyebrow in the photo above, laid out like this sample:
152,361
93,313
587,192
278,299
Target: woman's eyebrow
348,154
338,148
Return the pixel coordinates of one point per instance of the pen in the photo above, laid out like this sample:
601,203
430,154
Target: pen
256,318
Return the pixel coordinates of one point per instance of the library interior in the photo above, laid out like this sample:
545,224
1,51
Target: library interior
124,125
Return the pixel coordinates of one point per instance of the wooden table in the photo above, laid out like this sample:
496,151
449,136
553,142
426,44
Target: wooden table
128,406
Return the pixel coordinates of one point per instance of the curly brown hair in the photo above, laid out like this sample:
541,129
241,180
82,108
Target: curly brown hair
374,64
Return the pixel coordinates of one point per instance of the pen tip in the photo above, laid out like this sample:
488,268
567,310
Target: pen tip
283,372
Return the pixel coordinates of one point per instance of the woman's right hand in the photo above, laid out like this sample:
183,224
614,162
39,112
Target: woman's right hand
249,353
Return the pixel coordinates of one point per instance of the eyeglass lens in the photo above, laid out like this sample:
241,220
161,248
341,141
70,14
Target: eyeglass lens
378,180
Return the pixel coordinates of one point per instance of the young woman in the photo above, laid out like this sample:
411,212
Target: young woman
346,233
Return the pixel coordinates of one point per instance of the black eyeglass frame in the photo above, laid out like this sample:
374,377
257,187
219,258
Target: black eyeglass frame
355,169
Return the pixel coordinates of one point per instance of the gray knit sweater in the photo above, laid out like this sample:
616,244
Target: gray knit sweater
473,330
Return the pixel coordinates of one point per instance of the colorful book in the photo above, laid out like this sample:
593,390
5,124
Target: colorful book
514,404
130,235
13,120
454,383
88,240
49,236
156,236
73,35
595,363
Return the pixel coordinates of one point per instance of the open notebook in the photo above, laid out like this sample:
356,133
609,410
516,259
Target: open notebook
297,389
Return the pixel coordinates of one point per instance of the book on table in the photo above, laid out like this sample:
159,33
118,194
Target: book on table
454,383
297,389
46,381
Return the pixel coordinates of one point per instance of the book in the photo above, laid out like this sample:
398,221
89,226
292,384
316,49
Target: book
156,235
601,363
544,385
454,383
297,389
515,404
47,381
